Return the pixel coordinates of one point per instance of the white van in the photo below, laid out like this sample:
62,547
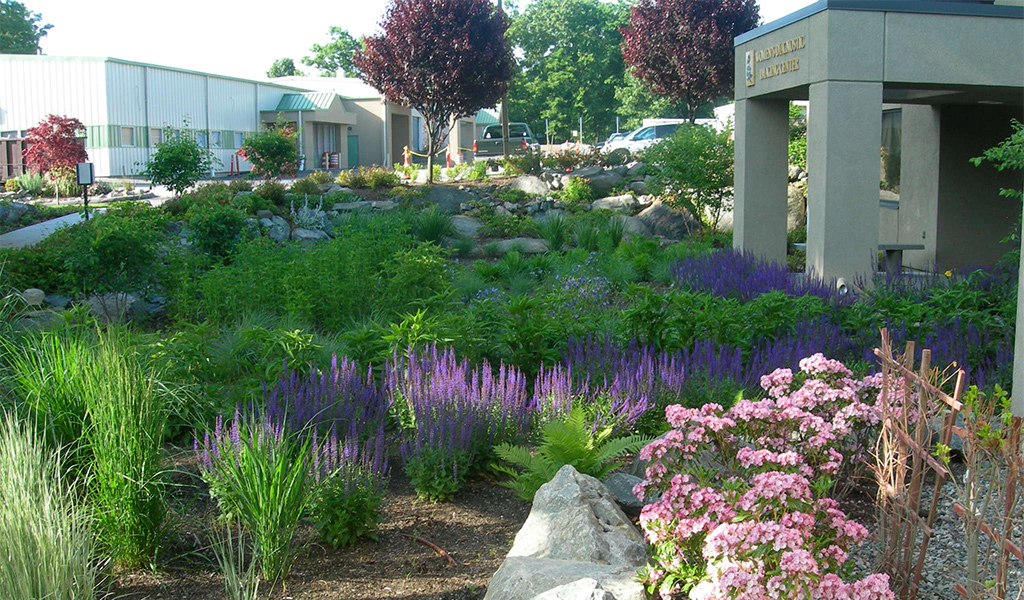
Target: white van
641,138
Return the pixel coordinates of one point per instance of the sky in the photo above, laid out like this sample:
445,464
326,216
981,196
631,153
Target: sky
221,37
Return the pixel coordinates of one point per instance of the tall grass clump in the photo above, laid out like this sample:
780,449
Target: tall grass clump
258,473
46,540
11,305
433,225
124,437
556,231
237,565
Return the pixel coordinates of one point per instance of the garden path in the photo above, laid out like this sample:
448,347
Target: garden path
27,236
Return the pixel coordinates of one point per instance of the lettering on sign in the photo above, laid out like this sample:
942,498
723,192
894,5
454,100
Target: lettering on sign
787,66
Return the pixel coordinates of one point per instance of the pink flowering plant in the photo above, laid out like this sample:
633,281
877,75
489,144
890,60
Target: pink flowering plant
741,508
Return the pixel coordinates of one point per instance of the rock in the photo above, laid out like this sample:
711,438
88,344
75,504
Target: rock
523,246
620,486
17,210
174,227
511,207
383,205
585,172
635,168
33,297
532,207
308,235
352,206
544,217
889,196
581,589
58,301
519,578
502,211
466,226
3,212
640,187
622,203
446,198
796,206
633,225
620,170
795,171
112,307
325,188
279,230
264,214
266,223
605,182
671,223
575,518
531,184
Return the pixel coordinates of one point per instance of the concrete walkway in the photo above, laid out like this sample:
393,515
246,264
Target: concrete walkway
33,234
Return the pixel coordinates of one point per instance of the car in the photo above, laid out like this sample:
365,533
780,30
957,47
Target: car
521,140
641,138
613,137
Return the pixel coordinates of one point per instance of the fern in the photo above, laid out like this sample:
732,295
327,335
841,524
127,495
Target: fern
568,440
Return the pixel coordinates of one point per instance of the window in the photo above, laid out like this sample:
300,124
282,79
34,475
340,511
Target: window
201,139
238,139
492,132
515,131
647,133
215,139
127,136
156,136
666,130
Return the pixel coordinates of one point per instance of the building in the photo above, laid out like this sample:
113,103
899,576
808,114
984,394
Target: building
952,69
127,106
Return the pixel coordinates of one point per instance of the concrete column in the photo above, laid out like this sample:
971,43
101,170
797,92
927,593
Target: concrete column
843,140
761,178
919,184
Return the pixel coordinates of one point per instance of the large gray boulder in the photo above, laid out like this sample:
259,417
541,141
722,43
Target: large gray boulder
605,182
633,225
581,589
33,297
671,223
309,235
796,206
531,184
575,531
620,486
624,203
112,307
279,229
466,226
635,168
523,246
17,210
353,206
447,198
585,172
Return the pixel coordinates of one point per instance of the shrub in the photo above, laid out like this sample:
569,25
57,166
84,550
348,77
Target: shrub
100,188
304,187
239,185
308,216
696,163
32,183
759,515
11,185
371,177
179,162
53,145
273,152
572,158
215,229
116,251
568,440
349,488
46,537
577,191
522,164
478,172
258,473
271,191
434,225
320,177
354,178
125,439
407,172
416,278
556,231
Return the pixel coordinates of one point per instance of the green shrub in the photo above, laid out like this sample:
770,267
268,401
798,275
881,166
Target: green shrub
125,439
320,177
567,440
239,185
417,278
407,172
179,162
432,475
346,506
12,185
215,229
478,172
305,187
522,164
100,188
354,178
512,195
113,252
797,151
46,537
434,225
435,173
696,165
371,177
271,191
576,192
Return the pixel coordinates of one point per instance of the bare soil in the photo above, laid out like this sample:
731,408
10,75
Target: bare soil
476,529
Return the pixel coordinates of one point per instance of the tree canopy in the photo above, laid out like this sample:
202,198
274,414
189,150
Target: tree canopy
445,58
683,49
336,56
179,161
570,65
20,30
283,67
53,144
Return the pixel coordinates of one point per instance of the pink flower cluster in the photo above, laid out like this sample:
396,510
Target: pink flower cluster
740,514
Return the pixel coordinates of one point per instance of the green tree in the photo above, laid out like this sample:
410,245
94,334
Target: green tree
179,161
273,151
696,170
637,103
337,55
20,31
570,65
283,67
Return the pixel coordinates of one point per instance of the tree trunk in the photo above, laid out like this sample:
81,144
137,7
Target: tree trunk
430,154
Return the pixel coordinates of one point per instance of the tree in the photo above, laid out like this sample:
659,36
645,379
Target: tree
273,152
570,65
683,49
20,31
283,67
179,162
53,145
337,55
445,58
